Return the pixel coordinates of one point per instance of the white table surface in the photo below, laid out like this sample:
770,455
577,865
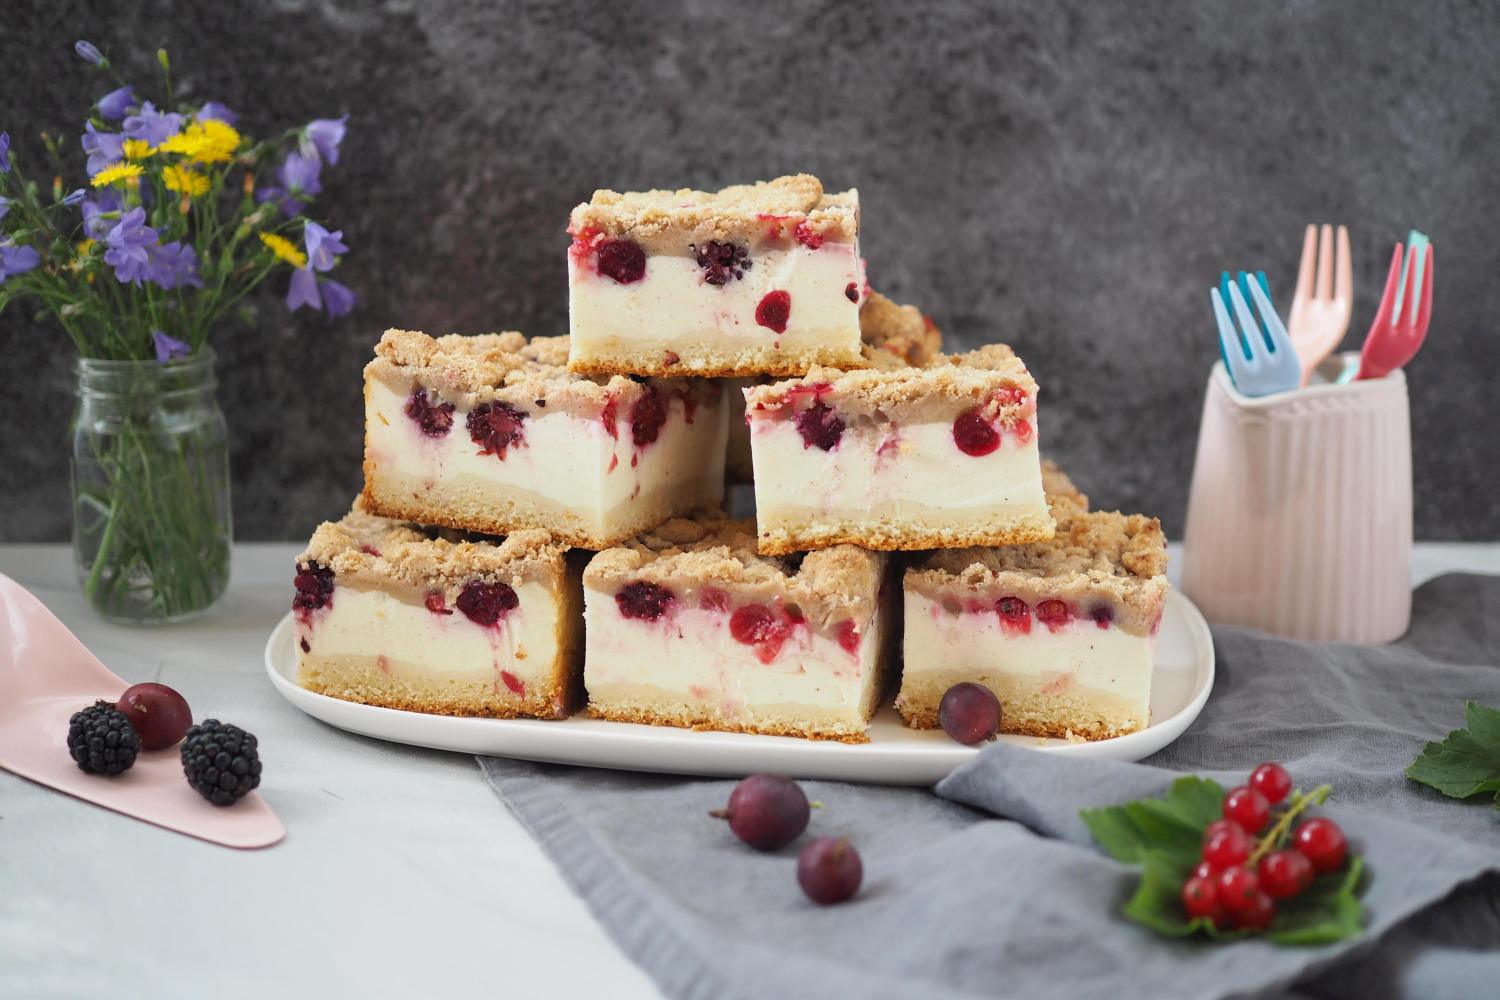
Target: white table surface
401,874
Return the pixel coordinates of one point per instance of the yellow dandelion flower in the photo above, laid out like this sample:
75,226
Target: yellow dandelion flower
209,141
189,182
285,249
115,173
138,149
218,141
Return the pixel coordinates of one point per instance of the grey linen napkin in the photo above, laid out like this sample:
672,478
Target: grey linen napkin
959,902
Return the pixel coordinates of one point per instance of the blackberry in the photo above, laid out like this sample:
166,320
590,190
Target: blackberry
721,262
220,761
102,740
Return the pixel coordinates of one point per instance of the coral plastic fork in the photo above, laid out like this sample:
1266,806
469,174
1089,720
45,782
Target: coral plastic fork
1259,355
1321,307
1400,325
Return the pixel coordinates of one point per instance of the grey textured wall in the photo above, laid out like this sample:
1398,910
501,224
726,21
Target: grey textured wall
1069,178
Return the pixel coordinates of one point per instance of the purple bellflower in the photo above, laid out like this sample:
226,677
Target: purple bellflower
152,125
323,247
303,290
4,152
114,105
337,299
89,52
128,242
321,139
103,148
217,112
173,265
168,348
17,260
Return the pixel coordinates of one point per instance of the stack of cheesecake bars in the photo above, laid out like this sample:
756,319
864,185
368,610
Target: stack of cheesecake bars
541,527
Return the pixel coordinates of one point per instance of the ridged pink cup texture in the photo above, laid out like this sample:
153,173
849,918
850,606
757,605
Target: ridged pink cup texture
1300,514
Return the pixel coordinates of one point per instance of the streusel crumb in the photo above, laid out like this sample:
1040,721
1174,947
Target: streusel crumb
828,585
361,547
666,221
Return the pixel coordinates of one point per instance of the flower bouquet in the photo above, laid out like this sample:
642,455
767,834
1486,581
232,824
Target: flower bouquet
181,218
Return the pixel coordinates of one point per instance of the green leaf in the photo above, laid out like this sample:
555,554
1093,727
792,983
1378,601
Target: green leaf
1173,824
1467,762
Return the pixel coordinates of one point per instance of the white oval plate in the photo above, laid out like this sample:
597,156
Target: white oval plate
895,754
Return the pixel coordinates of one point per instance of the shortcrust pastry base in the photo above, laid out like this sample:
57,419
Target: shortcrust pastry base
673,713
699,361
900,532
1025,709
500,511
360,679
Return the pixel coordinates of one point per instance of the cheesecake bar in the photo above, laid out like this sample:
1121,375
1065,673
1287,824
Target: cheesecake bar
1062,631
899,331
754,279
689,626
899,457
493,434
388,614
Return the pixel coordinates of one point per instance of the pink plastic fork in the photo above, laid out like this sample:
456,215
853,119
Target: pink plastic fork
1394,340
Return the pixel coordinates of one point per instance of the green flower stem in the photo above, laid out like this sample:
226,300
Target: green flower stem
1275,836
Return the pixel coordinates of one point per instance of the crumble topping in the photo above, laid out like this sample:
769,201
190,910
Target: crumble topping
828,585
991,377
667,221
1099,555
473,369
899,331
363,548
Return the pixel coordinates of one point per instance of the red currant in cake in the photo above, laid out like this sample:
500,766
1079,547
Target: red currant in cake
975,435
766,811
774,311
1053,613
1272,781
1322,842
1286,874
644,601
622,260
1015,615
1247,807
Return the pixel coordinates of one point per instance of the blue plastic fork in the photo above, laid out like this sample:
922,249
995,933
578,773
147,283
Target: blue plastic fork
1257,353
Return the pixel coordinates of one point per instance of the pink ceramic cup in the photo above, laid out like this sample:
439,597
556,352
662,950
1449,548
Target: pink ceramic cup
1300,514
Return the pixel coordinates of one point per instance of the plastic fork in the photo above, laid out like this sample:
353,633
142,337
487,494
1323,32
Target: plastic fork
1321,306
1258,352
1400,324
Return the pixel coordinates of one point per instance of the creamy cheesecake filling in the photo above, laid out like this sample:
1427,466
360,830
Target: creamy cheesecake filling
564,460
887,467
372,639
1078,676
688,667
791,301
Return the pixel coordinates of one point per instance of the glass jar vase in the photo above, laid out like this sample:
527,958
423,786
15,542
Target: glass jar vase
151,517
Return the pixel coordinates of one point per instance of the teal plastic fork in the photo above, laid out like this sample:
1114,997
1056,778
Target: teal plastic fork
1255,347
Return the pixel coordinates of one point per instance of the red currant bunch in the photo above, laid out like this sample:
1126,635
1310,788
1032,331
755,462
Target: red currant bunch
1240,880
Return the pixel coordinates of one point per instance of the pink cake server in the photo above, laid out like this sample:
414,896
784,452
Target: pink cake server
1394,339
46,675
